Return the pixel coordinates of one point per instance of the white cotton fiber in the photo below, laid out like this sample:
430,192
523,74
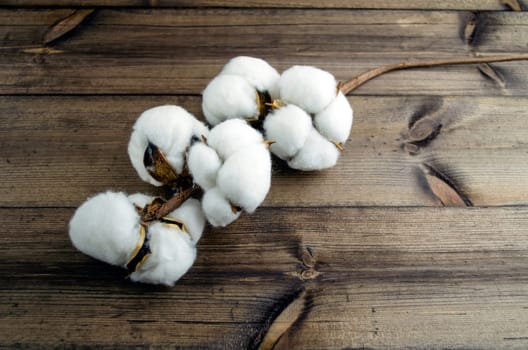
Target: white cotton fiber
288,126
172,255
229,96
173,250
255,70
106,227
231,136
245,176
203,163
191,214
308,87
335,121
170,128
316,154
140,199
217,208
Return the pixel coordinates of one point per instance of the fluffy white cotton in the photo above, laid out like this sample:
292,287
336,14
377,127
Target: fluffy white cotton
168,127
308,87
256,71
316,154
245,177
173,250
229,96
288,126
140,199
191,214
335,121
106,227
231,136
217,208
172,255
203,163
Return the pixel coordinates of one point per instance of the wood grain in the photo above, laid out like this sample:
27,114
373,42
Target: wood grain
352,4
363,255
56,151
149,51
385,278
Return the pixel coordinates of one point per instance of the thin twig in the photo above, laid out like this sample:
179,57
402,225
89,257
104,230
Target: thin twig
361,79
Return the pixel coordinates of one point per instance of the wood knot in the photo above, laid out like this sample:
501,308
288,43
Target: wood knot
492,74
444,189
309,274
308,270
513,5
307,257
285,314
470,29
66,25
424,129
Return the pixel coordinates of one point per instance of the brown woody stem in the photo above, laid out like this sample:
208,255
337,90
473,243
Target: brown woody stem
159,208
175,201
361,79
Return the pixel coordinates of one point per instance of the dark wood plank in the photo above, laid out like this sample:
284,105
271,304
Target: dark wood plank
56,151
360,4
373,277
177,51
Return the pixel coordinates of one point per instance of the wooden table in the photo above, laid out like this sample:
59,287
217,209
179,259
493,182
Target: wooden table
414,240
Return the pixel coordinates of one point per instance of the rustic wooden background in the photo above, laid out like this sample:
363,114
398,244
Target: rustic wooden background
416,239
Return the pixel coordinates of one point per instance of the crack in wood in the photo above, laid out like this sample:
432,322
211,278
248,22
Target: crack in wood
283,316
444,188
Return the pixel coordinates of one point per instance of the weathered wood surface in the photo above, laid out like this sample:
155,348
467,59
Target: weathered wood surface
352,4
359,256
56,151
374,277
178,51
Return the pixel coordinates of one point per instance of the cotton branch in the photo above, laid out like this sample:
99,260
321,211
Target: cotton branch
158,208
361,79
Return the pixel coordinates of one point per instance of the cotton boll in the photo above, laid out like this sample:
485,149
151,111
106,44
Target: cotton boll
245,176
172,255
106,227
335,121
191,214
203,163
229,96
217,208
170,128
255,70
317,153
308,87
289,127
232,135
